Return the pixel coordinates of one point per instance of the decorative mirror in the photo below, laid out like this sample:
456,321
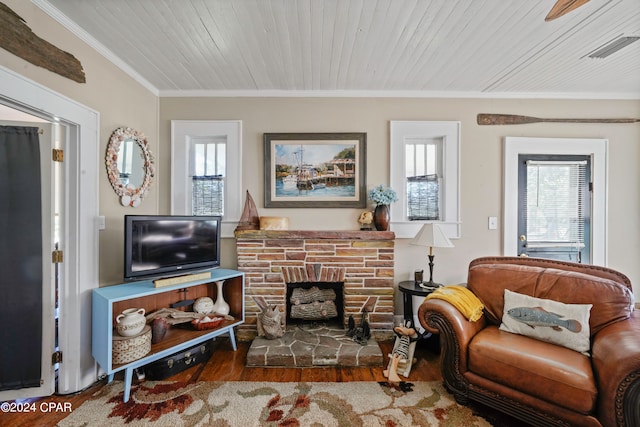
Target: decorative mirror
129,165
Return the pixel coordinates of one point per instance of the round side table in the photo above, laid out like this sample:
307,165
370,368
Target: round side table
409,289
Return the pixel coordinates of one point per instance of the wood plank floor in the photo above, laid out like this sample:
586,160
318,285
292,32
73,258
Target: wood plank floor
228,365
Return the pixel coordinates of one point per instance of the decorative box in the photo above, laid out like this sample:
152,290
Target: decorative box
128,349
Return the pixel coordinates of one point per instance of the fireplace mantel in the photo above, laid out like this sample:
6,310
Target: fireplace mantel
362,260
313,234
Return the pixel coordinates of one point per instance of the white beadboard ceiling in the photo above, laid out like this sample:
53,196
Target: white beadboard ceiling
486,48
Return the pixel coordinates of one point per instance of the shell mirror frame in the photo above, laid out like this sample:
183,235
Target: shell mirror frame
130,165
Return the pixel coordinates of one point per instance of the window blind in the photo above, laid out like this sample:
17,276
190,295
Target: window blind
423,197
207,196
554,203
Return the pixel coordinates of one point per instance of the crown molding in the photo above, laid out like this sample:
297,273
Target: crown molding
391,94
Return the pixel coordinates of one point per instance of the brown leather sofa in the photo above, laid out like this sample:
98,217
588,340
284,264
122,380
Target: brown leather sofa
538,382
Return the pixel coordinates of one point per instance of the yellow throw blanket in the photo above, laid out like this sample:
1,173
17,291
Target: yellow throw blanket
462,299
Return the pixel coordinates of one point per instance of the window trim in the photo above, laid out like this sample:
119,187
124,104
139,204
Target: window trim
181,133
449,131
596,148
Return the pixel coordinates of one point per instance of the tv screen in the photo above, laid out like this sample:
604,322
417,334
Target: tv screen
163,246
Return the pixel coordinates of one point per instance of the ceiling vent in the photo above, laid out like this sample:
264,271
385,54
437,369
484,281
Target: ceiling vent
612,47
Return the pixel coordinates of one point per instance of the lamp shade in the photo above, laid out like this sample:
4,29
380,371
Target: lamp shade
432,235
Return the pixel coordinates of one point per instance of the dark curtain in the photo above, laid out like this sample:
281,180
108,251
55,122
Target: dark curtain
20,258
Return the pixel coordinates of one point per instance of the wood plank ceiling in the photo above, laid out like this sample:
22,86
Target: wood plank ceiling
482,47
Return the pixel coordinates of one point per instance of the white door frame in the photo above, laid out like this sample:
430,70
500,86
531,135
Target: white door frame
78,369
596,148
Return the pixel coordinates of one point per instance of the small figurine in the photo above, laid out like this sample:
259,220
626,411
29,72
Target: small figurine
402,356
365,220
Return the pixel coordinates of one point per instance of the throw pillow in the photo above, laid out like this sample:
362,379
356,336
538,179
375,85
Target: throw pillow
547,320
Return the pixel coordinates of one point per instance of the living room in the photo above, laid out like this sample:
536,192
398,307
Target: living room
118,99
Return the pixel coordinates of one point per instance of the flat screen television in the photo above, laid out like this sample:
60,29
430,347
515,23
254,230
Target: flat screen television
168,245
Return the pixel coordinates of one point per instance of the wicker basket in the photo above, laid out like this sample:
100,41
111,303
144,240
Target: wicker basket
128,349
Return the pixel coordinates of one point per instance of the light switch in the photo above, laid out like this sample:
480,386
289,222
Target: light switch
101,223
493,223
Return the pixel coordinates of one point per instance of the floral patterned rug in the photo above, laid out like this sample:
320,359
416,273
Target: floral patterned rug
226,404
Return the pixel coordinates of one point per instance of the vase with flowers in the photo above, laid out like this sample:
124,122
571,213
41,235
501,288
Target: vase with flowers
383,197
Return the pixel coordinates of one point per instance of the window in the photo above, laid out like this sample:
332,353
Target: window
206,170
554,207
595,228
425,174
423,178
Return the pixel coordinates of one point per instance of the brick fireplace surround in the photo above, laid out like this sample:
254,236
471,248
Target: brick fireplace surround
362,260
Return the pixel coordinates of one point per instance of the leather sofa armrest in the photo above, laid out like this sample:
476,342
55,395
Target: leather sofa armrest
616,363
440,317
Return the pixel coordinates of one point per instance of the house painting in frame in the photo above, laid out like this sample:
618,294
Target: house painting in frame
312,170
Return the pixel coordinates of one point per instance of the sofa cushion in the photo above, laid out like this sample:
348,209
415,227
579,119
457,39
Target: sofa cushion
612,301
549,372
546,320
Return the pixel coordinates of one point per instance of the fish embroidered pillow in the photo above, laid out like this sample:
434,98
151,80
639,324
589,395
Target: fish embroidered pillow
547,320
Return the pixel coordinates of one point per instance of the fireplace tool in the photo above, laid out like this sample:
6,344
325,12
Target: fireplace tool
362,333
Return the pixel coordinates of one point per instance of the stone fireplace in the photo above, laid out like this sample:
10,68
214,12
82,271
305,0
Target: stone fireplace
361,261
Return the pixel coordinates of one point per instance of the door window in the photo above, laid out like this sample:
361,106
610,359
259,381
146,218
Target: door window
593,150
554,207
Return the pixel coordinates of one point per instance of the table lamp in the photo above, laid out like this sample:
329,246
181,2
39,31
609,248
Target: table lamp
431,235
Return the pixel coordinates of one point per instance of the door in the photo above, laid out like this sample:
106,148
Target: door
554,207
28,314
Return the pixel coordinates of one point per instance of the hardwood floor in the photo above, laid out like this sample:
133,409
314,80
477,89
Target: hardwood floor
228,365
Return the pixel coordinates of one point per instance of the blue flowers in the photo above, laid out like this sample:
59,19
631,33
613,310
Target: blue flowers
383,195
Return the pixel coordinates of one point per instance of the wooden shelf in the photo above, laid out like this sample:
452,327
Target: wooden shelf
110,301
177,335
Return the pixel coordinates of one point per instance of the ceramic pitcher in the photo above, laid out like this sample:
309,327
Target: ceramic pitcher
131,322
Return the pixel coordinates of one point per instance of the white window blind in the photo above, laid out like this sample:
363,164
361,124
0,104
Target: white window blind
554,203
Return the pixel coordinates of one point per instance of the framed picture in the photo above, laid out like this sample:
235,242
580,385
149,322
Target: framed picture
315,170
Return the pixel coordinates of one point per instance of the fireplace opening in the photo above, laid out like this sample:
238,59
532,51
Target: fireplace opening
315,302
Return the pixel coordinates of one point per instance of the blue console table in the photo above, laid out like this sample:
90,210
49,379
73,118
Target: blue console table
109,301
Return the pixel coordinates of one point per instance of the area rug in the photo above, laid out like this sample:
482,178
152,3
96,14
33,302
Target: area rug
290,404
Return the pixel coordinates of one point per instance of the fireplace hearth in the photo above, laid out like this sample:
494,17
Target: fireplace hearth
314,344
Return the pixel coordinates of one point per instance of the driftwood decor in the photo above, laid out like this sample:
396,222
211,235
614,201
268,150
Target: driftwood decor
512,119
17,38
